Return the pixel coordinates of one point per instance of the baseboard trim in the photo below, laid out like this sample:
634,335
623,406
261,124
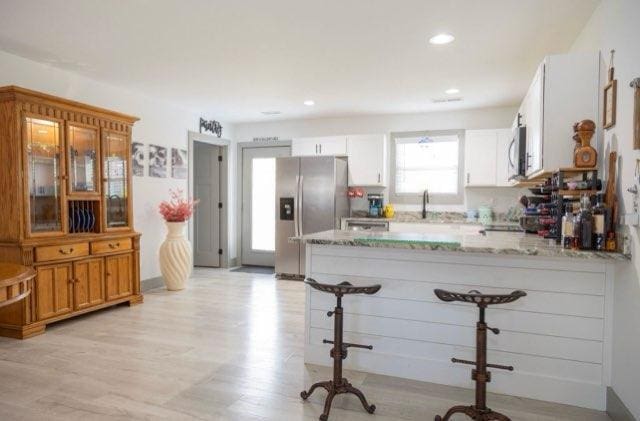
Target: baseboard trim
151,283
616,409
233,262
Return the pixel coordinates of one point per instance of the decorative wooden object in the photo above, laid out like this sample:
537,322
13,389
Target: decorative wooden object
66,207
480,375
15,283
585,156
635,83
610,98
339,384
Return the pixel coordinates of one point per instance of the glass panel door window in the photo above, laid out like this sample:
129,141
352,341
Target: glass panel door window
83,160
263,207
116,179
427,162
44,174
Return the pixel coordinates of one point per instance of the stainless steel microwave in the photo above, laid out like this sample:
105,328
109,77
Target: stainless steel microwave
518,152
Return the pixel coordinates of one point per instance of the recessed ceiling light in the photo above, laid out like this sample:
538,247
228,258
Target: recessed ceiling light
441,39
274,112
309,103
452,91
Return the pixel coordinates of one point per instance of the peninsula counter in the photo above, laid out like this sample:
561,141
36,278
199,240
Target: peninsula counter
558,337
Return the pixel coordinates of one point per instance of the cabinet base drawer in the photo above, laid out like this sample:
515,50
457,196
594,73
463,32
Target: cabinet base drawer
110,246
61,252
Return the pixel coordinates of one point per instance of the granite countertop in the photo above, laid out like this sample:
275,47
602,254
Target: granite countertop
432,218
504,243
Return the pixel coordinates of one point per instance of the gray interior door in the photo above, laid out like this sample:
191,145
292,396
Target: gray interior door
206,183
259,204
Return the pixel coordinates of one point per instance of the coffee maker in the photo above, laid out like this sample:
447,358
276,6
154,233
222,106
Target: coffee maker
375,205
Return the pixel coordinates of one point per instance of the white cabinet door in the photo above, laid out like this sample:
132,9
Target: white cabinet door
480,157
334,145
329,145
502,157
304,147
367,160
532,115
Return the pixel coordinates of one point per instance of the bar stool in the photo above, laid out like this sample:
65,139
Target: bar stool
339,384
480,375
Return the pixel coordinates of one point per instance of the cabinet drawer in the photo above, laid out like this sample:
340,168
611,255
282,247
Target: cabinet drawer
110,246
61,252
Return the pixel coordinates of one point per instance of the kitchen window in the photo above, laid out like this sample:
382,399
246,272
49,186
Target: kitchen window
431,160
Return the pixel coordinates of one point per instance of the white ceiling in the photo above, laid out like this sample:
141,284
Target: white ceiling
237,58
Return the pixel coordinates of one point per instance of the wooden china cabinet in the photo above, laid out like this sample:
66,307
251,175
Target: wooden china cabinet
65,208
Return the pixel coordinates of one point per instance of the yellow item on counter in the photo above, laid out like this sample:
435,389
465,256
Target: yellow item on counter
388,211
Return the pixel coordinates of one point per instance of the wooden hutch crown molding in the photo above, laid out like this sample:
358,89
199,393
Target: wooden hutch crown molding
65,208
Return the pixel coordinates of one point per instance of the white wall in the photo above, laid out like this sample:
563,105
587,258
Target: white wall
487,118
161,123
615,24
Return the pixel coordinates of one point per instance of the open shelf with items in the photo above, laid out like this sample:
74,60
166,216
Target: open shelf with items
70,215
586,182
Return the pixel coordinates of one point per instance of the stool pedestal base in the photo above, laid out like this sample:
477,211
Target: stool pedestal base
333,390
474,414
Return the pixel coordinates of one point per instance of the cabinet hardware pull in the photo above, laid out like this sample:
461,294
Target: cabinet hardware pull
114,246
468,177
320,149
62,251
378,177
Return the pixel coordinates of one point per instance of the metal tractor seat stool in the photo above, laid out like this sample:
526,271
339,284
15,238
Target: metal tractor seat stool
339,384
480,375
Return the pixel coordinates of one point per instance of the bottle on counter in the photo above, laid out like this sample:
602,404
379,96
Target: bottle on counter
600,219
584,224
612,244
567,227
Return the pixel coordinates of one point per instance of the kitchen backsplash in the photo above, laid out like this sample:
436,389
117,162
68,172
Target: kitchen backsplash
500,199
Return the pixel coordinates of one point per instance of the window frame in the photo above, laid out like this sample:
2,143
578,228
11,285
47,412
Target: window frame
434,198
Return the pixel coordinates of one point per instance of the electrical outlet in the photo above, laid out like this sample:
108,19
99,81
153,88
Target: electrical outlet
632,219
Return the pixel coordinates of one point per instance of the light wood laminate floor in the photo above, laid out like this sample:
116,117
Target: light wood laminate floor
230,347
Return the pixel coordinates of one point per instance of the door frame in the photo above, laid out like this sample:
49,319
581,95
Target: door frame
240,153
224,188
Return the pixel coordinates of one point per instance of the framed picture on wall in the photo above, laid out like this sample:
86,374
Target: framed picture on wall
137,158
179,163
157,161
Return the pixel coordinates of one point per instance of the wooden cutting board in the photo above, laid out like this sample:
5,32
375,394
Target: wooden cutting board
610,194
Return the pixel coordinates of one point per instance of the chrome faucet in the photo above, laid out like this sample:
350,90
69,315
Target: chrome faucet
425,200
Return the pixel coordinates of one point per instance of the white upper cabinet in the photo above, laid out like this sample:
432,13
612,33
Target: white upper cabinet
531,111
480,152
328,145
564,90
367,160
486,157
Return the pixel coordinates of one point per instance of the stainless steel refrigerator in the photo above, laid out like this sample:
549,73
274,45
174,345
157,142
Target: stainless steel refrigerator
311,196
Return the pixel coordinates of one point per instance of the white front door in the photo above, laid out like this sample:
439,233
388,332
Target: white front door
259,204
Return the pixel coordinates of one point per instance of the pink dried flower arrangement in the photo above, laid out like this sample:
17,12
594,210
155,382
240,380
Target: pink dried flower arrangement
178,209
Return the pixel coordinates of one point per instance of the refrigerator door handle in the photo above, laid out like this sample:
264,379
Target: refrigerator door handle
296,206
300,204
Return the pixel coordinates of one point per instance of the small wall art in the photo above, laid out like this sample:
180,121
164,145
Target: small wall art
179,163
137,158
157,161
610,98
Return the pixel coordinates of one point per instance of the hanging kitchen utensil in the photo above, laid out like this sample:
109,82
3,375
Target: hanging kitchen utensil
635,83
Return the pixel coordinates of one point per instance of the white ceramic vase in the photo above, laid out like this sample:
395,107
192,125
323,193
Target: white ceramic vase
175,257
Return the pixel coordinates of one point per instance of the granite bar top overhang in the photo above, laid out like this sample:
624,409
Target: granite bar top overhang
497,243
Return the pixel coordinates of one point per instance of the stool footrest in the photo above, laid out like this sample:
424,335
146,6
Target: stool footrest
498,366
348,345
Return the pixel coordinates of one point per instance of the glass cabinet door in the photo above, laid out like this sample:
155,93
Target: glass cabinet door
83,160
116,175
43,149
